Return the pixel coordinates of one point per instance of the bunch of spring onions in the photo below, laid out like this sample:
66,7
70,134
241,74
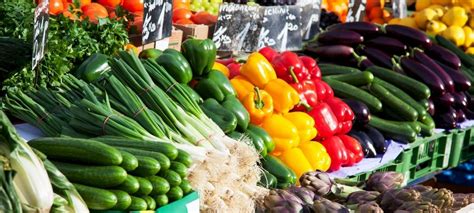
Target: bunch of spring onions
9,201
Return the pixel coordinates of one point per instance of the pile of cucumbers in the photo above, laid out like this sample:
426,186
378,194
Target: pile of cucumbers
276,175
120,174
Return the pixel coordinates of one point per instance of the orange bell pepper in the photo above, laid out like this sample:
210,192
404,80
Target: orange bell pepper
285,97
259,104
258,70
283,132
316,154
221,68
304,123
296,160
242,86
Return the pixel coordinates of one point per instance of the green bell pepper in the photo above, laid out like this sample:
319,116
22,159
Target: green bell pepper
151,53
93,68
176,65
224,118
236,135
215,85
268,180
258,142
201,55
193,94
267,139
243,117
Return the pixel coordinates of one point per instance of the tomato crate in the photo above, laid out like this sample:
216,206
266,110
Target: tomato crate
467,149
459,138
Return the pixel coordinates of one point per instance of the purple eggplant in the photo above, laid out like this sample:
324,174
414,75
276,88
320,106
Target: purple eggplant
460,116
424,74
363,28
378,57
446,120
431,107
461,82
361,112
342,37
332,51
424,59
443,102
460,100
388,44
444,56
469,114
380,144
365,63
412,36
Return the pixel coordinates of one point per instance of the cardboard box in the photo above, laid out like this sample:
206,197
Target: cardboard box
194,30
171,42
176,39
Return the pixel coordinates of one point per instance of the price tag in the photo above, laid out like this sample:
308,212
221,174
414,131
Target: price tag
356,10
40,33
236,27
156,20
310,16
280,28
399,8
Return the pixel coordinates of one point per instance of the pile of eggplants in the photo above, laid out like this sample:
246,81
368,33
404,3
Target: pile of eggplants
404,50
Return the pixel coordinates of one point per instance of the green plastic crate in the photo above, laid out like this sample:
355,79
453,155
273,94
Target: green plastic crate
467,149
459,136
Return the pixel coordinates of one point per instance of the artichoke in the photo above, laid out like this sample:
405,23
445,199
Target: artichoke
285,206
306,195
323,205
391,199
318,182
383,181
418,207
443,198
460,201
361,197
371,207
281,199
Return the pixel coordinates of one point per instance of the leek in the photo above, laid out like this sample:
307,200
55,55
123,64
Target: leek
8,197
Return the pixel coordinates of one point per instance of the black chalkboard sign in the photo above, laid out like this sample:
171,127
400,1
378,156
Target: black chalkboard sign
280,28
356,11
157,20
310,16
236,27
399,8
40,32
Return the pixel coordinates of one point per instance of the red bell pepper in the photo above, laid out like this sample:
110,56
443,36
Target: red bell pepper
234,69
269,53
307,92
286,61
325,121
336,150
329,91
226,61
312,67
320,89
343,113
352,146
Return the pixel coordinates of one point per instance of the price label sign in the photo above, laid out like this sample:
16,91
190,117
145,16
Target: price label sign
399,8
157,20
310,16
40,32
356,10
280,28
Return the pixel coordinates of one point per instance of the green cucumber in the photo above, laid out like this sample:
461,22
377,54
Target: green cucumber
138,204
283,185
96,198
151,203
99,176
186,187
355,79
129,161
171,176
332,69
428,120
184,158
123,200
267,180
175,193
147,166
425,129
403,109
179,168
145,186
160,185
161,200
166,148
415,126
130,185
77,151
277,168
161,158
465,58
345,90
424,103
393,129
411,86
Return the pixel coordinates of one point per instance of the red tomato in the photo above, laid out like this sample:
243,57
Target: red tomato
181,13
133,5
109,3
181,4
204,17
94,11
184,21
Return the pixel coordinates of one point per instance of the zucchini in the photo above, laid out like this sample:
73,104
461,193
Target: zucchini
161,158
175,193
428,120
77,151
160,185
415,126
344,90
167,149
426,130
411,86
151,203
424,103
355,79
99,176
404,110
95,198
179,168
186,187
393,130
130,185
129,162
123,200
184,158
161,200
138,204
171,176
277,168
147,166
332,69
145,186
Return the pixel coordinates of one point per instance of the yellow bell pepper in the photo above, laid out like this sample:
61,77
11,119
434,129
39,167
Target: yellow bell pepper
469,36
422,4
455,34
284,96
408,21
316,154
296,160
283,132
221,68
242,86
443,2
304,123
259,104
456,16
435,27
470,51
423,17
440,10
258,70
466,4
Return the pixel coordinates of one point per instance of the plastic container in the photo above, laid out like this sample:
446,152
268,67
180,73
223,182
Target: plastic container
467,151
